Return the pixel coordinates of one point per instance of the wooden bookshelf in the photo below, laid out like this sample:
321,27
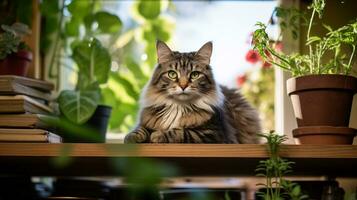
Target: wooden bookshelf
191,159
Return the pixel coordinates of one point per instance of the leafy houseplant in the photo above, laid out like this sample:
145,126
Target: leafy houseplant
322,88
273,170
15,56
82,107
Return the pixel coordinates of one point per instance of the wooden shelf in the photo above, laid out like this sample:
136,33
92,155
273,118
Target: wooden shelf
191,159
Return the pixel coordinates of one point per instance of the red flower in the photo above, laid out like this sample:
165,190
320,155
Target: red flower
241,80
252,56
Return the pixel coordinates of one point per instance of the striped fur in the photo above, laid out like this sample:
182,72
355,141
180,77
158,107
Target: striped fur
183,104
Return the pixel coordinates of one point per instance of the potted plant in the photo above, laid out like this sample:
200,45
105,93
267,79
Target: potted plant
322,87
15,57
83,116
82,105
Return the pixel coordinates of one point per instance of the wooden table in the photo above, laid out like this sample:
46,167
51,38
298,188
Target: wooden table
35,159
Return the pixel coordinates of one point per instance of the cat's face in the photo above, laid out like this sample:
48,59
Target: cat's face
183,77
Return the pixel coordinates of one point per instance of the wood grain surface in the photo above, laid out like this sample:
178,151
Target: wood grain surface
190,159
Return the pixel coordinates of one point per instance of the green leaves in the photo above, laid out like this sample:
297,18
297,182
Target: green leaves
72,27
149,9
50,14
108,23
318,6
313,39
293,190
144,175
93,60
260,38
83,13
330,54
10,39
79,8
8,44
128,86
78,106
273,169
290,18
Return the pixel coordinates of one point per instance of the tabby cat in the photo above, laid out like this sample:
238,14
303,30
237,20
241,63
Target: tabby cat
183,104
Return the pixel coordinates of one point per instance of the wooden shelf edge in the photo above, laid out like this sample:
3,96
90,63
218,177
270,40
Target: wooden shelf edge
191,159
174,150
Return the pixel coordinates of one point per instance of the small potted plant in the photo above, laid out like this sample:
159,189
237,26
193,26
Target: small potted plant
15,56
273,169
83,117
322,87
81,106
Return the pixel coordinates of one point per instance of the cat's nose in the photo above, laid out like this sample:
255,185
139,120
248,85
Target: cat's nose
183,87
183,84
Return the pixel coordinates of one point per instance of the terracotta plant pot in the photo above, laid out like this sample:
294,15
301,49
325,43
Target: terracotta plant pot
322,100
324,135
16,63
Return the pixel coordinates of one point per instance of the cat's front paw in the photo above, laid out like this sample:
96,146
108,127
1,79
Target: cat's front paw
158,137
134,137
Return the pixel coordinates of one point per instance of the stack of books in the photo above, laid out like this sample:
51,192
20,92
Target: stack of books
22,102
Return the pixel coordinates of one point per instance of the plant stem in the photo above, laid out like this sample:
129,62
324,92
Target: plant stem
348,68
280,178
321,53
91,65
318,55
278,56
335,58
277,64
308,38
310,25
89,32
57,39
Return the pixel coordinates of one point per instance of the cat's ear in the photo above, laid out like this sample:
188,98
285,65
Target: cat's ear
163,52
205,52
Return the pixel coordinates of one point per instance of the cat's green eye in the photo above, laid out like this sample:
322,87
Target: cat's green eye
172,74
194,75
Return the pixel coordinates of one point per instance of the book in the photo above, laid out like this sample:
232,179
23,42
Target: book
22,104
21,121
30,82
28,135
8,87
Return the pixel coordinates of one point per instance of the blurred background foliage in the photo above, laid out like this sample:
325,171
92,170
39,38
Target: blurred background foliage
69,24
257,84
